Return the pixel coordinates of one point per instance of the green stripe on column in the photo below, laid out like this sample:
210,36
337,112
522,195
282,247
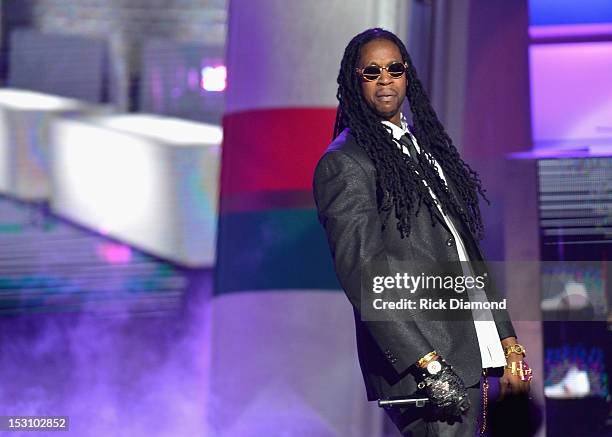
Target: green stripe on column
273,249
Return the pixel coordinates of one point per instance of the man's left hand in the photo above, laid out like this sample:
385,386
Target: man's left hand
512,384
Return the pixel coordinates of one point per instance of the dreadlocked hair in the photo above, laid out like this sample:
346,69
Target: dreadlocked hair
403,190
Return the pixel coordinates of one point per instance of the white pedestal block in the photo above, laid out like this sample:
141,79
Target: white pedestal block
25,118
147,180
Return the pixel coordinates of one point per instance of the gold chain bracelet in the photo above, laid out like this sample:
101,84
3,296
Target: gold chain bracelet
485,402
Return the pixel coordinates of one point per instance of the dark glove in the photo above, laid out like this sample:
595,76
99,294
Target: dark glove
445,390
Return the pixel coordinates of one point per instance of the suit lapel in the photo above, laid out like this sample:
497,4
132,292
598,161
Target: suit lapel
470,244
466,235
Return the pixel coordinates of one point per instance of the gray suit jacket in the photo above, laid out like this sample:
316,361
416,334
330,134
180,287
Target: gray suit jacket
347,197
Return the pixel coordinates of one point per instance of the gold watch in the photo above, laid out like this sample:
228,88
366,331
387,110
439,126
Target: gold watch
515,349
422,363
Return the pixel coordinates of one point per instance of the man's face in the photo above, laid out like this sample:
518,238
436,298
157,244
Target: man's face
384,95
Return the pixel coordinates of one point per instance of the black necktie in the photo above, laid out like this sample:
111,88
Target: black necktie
406,141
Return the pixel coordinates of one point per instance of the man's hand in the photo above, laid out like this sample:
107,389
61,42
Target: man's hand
446,391
512,384
509,383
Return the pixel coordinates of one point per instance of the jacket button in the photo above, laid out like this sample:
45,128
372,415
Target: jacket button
450,242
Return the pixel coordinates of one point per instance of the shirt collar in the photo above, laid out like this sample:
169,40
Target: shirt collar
397,131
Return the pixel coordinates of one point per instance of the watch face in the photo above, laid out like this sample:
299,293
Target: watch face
516,349
434,367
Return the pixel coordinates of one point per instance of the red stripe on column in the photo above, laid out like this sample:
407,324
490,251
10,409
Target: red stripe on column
274,149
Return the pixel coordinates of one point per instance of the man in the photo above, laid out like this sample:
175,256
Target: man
385,195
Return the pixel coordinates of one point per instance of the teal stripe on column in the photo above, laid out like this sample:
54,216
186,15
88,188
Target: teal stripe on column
273,249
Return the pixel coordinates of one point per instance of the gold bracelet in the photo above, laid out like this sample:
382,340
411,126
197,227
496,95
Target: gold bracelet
516,348
426,359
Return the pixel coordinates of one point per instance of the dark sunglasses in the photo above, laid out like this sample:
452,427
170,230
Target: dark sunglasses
373,72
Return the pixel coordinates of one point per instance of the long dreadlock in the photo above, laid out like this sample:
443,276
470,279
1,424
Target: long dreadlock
403,190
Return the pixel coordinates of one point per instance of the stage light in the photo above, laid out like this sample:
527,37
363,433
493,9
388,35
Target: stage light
114,253
214,78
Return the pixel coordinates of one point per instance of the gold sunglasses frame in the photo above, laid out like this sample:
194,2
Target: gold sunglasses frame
360,71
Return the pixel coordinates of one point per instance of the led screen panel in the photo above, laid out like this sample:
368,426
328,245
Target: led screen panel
571,94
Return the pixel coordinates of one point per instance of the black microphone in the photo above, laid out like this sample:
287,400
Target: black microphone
402,402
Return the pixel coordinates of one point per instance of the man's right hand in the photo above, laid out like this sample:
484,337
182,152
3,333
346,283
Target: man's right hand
445,389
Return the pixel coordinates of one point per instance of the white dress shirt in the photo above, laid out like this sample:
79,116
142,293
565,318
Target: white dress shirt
491,351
